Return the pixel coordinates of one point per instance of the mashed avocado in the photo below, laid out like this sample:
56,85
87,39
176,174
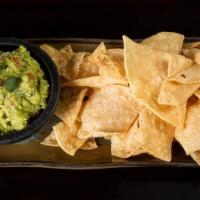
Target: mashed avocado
23,89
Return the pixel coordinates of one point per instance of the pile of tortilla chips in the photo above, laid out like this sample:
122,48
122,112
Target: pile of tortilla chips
142,98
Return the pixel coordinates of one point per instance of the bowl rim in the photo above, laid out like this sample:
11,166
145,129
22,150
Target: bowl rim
54,92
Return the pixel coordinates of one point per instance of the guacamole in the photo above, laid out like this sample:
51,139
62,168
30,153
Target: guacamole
23,89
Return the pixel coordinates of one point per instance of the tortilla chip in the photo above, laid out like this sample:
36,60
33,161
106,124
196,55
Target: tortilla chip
117,57
73,66
124,145
95,81
191,45
110,109
197,93
90,144
196,157
107,68
178,64
88,68
67,49
166,41
98,52
50,140
105,64
60,58
83,134
193,54
70,104
189,136
189,75
67,139
155,135
93,62
172,93
146,70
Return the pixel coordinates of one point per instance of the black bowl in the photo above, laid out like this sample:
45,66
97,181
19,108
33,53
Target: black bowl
51,74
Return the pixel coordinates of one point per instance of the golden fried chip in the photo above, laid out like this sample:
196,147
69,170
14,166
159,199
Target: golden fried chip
197,93
107,68
60,58
146,70
105,64
67,139
73,66
124,145
196,156
90,144
67,49
83,134
117,57
70,104
166,41
50,140
88,68
189,75
177,64
119,147
172,93
110,109
98,52
193,54
155,135
189,136
95,81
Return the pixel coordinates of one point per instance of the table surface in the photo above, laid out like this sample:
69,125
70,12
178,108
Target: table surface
99,19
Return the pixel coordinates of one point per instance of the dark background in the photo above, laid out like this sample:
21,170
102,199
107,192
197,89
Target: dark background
99,19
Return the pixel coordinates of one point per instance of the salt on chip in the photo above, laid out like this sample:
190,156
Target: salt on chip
73,66
67,139
155,135
110,109
165,41
146,70
70,104
193,54
189,136
90,144
50,140
95,82
60,58
124,145
190,75
175,94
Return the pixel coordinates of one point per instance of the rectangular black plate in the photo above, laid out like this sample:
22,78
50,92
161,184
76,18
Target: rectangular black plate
31,154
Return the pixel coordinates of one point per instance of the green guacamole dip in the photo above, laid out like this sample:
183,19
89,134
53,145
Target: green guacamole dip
23,89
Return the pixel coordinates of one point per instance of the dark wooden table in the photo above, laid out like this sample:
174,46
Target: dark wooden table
99,19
